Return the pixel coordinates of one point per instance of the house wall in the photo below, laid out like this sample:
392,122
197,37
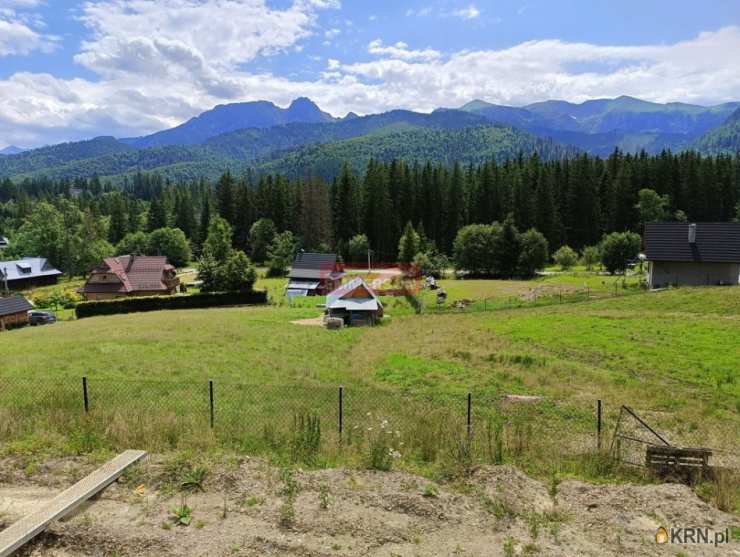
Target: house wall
31,282
667,273
14,320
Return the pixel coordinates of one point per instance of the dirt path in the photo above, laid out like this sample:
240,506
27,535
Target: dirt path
498,512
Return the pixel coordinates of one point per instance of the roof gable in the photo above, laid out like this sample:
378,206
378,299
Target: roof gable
356,290
715,242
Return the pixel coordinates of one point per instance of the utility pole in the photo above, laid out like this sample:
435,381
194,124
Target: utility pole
368,260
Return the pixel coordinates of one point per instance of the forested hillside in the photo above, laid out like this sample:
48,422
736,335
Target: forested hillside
601,125
473,145
724,139
262,148
571,201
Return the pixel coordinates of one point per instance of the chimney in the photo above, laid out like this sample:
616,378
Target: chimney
692,233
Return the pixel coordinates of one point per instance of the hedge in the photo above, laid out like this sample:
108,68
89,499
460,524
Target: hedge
157,303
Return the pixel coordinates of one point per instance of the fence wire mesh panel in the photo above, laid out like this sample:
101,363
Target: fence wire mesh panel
160,414
307,423
29,404
270,417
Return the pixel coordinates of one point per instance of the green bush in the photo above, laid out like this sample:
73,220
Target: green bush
157,303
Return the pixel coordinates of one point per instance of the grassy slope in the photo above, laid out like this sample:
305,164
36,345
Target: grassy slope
676,349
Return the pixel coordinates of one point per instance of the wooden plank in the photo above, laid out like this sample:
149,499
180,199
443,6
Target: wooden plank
22,531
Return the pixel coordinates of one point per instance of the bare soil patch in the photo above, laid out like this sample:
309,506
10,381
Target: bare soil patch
240,510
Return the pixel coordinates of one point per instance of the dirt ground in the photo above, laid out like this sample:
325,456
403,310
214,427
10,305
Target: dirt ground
241,511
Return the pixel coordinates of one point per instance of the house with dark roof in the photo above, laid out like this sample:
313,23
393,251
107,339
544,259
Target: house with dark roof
693,254
14,312
131,275
314,274
354,302
4,242
28,272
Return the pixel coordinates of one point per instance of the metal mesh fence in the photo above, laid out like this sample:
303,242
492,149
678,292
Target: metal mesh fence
261,418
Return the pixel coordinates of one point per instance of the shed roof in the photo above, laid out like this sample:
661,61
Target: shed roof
354,295
13,305
28,267
716,242
315,266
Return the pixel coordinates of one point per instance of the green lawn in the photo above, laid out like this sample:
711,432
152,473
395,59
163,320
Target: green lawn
673,356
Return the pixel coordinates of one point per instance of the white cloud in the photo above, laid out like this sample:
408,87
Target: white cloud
19,30
161,63
471,12
401,51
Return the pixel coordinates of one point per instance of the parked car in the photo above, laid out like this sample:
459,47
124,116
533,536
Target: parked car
36,317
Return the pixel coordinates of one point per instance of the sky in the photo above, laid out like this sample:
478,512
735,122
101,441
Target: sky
72,69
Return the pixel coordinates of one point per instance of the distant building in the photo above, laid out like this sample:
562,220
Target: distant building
706,253
131,275
314,274
4,242
14,312
28,272
355,302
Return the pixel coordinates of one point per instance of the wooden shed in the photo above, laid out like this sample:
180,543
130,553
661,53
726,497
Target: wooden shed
14,312
355,302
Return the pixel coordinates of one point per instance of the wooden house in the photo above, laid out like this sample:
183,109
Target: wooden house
28,272
131,275
354,302
697,254
314,274
14,312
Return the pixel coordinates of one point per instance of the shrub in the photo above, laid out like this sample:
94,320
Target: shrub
590,256
357,248
261,235
237,274
158,303
617,249
133,243
172,243
281,253
565,257
533,252
474,248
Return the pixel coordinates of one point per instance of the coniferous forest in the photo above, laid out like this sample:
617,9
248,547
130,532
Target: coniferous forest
571,201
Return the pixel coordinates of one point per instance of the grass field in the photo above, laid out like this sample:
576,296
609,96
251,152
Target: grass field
672,356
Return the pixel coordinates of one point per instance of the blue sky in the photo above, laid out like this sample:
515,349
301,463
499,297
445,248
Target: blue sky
72,69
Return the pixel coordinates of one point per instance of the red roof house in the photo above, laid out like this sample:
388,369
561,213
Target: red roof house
131,275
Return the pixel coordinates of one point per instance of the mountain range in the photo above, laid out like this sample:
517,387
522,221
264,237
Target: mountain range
302,139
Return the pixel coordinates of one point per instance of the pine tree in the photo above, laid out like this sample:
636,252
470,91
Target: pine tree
118,220
226,198
157,217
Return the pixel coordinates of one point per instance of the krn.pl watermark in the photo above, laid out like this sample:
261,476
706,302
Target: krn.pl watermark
692,535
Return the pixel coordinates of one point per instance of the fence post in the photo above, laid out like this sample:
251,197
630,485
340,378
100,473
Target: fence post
85,399
210,399
470,414
598,424
341,412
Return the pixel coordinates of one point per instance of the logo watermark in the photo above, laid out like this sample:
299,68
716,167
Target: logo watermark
692,535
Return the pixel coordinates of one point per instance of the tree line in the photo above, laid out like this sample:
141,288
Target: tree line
572,202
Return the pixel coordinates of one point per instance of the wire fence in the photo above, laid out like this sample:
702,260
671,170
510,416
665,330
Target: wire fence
543,296
261,418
